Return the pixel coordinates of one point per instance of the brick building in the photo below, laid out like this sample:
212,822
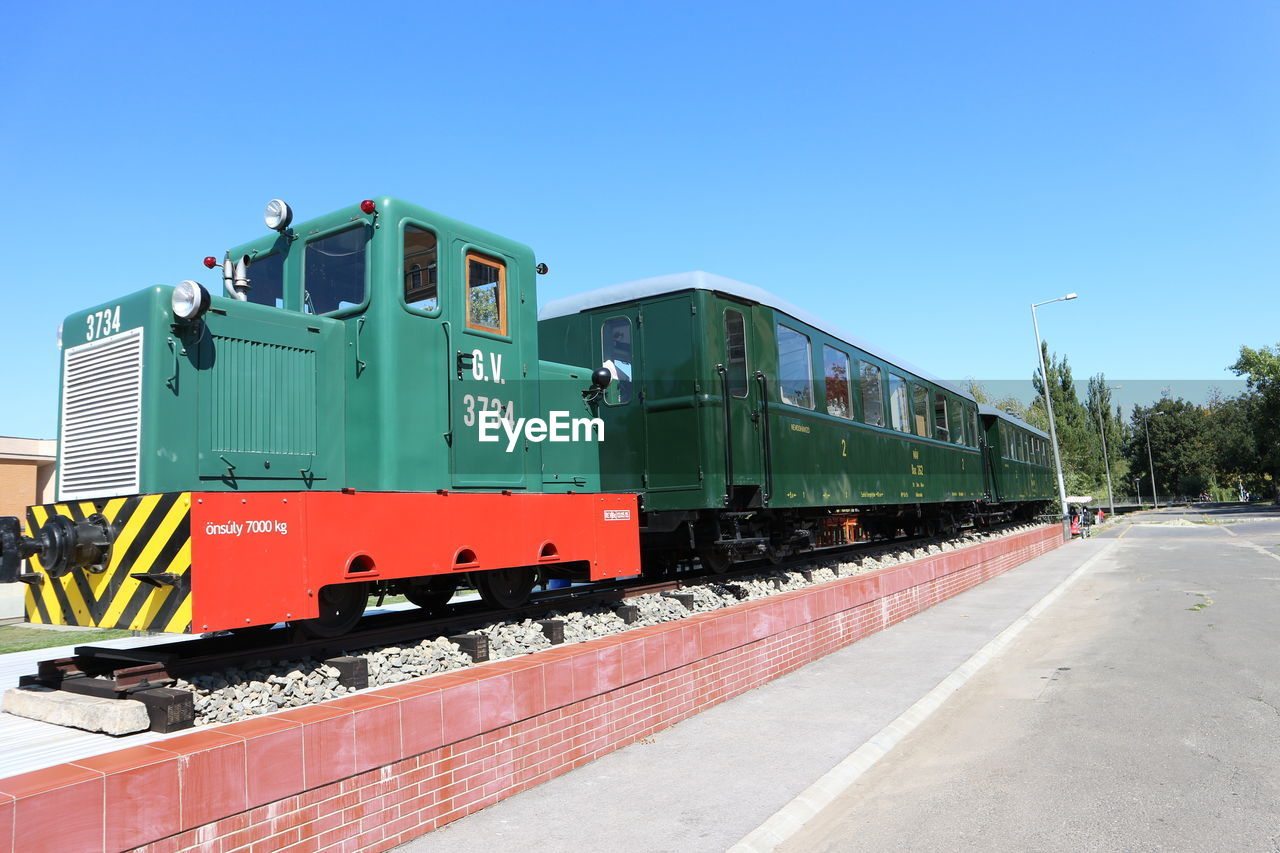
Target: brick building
26,477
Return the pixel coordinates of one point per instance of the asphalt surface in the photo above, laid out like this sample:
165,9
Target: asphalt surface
1141,711
704,784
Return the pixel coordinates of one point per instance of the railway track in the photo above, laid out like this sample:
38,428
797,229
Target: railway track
147,674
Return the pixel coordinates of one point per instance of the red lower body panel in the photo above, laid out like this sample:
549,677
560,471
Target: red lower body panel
261,558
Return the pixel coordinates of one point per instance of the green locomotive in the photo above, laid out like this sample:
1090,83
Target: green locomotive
372,405
280,452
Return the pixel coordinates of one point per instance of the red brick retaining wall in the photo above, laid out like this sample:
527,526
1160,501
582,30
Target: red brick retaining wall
373,770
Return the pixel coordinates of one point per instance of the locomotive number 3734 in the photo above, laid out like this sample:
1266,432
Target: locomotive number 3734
102,323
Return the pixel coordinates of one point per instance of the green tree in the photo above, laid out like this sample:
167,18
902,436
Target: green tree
1179,448
1082,466
1236,461
1261,369
1106,421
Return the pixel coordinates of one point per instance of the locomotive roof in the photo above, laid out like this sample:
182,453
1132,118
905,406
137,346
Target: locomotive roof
984,409
699,280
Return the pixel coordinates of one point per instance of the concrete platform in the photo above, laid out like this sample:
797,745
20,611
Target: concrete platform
707,782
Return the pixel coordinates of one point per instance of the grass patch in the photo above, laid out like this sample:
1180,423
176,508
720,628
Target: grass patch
1201,605
17,638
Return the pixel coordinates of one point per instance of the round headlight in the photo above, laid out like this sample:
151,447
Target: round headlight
189,300
278,215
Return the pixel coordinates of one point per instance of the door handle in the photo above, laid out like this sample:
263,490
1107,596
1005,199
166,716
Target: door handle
728,432
448,392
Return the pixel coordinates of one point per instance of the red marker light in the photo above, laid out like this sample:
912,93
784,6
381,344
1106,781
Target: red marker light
368,206
211,262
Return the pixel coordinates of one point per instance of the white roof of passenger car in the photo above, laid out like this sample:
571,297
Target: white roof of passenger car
984,409
699,280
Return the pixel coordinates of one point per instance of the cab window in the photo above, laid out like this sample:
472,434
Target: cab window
836,372
615,353
266,280
421,269
486,294
872,394
735,346
333,272
795,376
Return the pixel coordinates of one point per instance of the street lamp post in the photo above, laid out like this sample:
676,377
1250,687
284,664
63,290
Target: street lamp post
1048,404
1102,431
1146,424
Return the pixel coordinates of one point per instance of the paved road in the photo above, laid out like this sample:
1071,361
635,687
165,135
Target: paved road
1140,712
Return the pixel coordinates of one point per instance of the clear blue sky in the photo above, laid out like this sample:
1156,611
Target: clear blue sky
919,173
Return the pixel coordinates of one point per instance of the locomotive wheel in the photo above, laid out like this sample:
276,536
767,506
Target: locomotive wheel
432,594
341,607
505,588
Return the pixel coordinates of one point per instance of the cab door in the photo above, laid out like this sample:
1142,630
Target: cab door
485,374
622,456
739,393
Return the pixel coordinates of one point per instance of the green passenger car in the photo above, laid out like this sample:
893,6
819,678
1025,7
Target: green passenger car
750,426
1019,458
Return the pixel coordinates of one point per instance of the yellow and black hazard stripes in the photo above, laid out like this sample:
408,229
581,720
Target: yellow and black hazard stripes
146,584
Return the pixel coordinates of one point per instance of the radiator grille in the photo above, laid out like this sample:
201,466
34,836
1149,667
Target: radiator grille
263,398
101,417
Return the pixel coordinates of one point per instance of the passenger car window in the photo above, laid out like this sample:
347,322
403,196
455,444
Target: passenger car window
615,355
333,271
836,370
899,416
735,346
795,376
872,394
920,402
420,269
955,413
486,294
973,425
940,431
266,280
